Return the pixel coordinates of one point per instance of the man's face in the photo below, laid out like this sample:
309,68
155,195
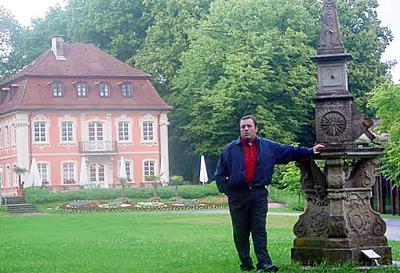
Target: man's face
248,131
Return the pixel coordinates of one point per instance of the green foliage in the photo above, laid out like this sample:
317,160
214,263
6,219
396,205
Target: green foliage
187,192
237,65
215,60
10,33
20,170
291,179
366,40
176,179
168,37
294,201
385,100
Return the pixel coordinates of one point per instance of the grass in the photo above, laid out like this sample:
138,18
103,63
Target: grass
136,242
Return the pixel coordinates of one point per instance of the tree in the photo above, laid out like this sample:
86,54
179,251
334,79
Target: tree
244,59
176,180
123,181
168,37
20,171
385,100
116,26
10,32
155,181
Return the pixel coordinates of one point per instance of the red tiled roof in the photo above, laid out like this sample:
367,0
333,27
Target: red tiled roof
83,62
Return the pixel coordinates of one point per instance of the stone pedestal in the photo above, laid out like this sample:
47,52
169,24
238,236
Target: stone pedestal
339,222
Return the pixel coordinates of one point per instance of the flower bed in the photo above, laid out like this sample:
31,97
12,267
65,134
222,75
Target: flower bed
118,206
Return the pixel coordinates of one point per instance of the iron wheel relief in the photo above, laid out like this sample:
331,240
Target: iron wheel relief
333,124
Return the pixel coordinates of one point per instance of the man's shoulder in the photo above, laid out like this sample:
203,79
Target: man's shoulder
231,144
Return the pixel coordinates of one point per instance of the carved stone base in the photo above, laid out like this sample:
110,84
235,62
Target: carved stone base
339,222
318,255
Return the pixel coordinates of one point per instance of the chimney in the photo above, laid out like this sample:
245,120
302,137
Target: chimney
57,46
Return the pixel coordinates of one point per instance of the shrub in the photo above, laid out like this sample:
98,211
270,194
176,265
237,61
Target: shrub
186,191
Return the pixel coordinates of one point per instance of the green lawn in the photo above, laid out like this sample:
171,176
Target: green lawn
135,243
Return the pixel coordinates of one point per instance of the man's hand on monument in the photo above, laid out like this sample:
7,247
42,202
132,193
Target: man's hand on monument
317,148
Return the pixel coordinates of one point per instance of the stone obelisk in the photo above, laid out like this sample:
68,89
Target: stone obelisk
339,223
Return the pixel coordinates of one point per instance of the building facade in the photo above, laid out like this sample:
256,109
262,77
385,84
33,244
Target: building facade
78,112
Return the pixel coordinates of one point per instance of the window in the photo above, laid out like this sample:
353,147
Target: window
104,89
95,131
148,130
149,168
81,89
67,131
39,131
8,177
6,136
43,171
13,135
2,178
127,89
68,169
123,131
57,89
97,173
128,168
1,138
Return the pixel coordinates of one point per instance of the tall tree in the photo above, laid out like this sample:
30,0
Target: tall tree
385,100
245,59
116,26
10,32
168,37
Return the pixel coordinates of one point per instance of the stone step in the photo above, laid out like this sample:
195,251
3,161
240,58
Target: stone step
21,208
16,200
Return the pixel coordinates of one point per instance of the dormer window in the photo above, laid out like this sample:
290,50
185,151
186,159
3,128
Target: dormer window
104,89
81,89
57,89
127,89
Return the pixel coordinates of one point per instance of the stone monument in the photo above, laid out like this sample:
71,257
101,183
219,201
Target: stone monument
339,225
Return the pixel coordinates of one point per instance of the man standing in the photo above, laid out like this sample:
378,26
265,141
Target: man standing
244,168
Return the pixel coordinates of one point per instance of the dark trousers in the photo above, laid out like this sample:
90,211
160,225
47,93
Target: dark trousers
248,209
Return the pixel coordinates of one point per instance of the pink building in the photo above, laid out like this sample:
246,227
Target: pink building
77,110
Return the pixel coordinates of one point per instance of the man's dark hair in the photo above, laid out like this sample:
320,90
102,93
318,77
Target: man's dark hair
250,117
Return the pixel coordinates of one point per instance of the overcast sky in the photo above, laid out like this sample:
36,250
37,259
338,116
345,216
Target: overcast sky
388,13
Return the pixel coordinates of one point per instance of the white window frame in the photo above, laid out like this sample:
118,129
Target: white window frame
97,173
57,89
129,169
96,130
13,135
42,134
81,89
73,169
1,138
6,136
152,120
127,89
127,132
72,132
2,184
48,174
104,89
144,167
8,176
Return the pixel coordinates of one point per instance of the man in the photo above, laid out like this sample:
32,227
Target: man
244,169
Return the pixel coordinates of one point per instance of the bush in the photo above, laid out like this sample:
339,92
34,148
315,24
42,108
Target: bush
39,196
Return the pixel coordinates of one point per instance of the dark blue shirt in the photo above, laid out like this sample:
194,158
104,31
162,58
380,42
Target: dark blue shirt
230,171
